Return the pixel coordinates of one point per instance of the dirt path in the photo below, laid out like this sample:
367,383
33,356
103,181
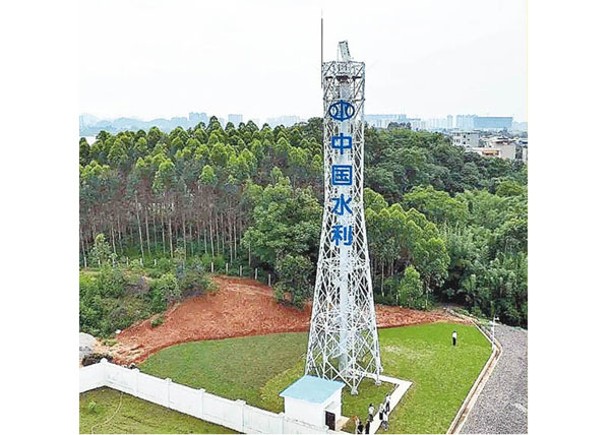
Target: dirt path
240,307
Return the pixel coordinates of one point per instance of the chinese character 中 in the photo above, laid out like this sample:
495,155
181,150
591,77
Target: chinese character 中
343,234
342,143
342,175
341,205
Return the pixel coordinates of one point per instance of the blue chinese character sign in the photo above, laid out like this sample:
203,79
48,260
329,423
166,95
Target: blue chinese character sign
341,110
342,142
343,339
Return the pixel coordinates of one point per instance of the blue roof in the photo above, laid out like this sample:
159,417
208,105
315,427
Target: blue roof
312,389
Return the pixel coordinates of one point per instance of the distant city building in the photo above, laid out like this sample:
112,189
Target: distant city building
195,117
465,122
382,121
286,121
236,119
449,122
493,122
520,126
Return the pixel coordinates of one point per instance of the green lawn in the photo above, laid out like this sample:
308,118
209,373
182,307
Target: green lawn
256,369
135,416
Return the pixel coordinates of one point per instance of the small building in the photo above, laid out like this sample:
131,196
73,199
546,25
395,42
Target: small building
313,400
466,139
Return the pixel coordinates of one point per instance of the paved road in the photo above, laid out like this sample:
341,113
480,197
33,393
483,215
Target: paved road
502,404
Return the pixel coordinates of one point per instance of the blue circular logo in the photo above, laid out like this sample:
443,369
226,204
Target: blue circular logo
341,110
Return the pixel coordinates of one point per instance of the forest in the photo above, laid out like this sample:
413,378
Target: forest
443,225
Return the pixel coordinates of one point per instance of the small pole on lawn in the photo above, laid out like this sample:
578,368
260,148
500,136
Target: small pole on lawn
255,273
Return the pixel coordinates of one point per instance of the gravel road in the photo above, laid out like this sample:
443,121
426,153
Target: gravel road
503,403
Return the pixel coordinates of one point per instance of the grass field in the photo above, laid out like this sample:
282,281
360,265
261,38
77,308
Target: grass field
135,416
256,369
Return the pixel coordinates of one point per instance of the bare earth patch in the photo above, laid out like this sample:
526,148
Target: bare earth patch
240,307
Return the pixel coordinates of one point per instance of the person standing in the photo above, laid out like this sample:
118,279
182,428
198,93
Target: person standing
385,420
454,338
387,403
382,414
371,412
359,426
367,428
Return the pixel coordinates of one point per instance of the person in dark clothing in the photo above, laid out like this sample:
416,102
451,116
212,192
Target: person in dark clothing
454,338
367,428
360,426
387,403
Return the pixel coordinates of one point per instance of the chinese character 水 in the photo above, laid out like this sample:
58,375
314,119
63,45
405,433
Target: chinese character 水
341,205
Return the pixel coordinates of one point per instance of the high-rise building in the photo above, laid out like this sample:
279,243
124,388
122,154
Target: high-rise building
195,117
465,122
236,119
449,121
493,122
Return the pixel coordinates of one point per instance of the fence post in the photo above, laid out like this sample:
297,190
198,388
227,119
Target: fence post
269,279
256,273
226,268
212,267
202,392
168,380
241,404
240,270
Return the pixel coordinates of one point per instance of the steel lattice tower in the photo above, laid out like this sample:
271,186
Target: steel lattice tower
343,339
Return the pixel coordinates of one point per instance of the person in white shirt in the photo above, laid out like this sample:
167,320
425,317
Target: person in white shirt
454,338
371,412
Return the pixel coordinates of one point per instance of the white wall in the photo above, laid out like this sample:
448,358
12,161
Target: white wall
305,411
234,414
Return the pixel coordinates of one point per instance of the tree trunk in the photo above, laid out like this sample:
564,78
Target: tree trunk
139,227
170,237
147,230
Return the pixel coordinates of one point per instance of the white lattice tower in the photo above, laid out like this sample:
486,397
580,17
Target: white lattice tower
343,339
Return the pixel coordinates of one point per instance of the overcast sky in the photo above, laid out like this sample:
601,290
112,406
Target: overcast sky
260,58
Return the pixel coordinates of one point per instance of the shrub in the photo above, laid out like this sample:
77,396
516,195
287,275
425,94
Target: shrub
164,291
192,282
111,282
410,290
157,321
165,265
92,407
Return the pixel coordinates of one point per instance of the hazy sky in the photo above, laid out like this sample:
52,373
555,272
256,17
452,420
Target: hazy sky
260,58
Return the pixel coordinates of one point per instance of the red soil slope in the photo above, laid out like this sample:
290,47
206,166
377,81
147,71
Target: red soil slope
240,307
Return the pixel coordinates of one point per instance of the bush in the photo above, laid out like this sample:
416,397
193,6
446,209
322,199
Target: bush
111,282
164,291
192,282
165,265
92,407
157,321
410,290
